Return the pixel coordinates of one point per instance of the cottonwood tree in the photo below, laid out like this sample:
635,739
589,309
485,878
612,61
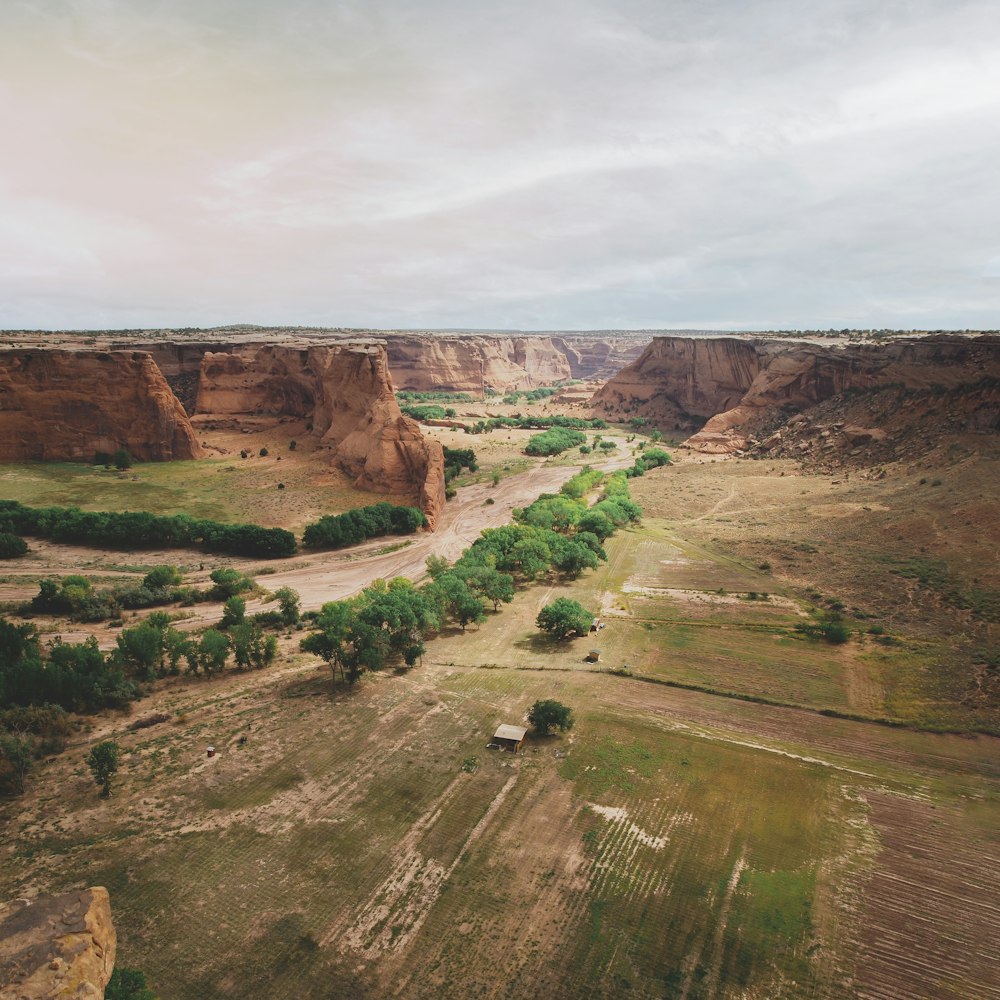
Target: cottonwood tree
563,618
547,714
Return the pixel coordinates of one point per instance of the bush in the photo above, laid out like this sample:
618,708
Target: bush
12,546
554,441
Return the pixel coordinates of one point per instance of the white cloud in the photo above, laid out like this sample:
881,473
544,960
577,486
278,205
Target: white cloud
579,164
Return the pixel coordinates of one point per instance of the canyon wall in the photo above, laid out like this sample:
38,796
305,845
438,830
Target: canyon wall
67,405
57,946
497,363
346,392
728,389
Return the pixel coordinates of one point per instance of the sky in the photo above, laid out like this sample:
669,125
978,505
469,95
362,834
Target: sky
531,164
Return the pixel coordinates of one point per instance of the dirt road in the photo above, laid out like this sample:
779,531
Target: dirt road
328,576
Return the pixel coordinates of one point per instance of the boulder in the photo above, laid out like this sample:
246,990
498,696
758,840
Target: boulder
57,947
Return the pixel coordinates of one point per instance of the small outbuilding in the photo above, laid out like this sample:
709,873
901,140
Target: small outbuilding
594,656
595,624
509,737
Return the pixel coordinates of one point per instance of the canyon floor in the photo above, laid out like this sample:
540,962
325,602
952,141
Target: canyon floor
733,814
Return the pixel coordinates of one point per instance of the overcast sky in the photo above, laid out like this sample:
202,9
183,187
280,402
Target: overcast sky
532,164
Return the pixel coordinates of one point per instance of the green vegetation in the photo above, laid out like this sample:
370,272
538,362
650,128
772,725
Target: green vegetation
103,763
651,458
389,622
433,397
12,546
336,531
564,618
425,412
127,984
547,714
137,530
554,442
457,459
536,423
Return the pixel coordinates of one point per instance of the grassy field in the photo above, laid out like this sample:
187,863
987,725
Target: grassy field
675,843
721,821
225,488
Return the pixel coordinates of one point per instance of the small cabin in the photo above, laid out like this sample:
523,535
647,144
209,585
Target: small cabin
509,738
594,656
595,624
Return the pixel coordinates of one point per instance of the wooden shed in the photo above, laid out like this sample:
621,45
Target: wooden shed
509,737
594,656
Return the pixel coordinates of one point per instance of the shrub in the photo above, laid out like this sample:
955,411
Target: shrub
12,546
554,441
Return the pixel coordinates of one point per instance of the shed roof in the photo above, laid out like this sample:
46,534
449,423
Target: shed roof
515,733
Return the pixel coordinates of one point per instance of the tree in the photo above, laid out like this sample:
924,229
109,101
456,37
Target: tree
127,984
12,546
251,648
288,602
233,612
334,640
228,582
161,577
122,459
563,618
457,601
546,715
103,763
16,756
140,650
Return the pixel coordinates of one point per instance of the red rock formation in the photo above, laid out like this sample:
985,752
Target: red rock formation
346,392
730,387
498,363
57,946
67,405
681,381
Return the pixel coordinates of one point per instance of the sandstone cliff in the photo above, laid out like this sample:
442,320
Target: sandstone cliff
67,405
498,363
345,391
731,390
57,946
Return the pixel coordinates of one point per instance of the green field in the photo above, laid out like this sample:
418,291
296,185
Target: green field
682,841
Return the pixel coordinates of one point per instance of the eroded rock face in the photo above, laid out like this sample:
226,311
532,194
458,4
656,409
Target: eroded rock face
727,389
57,946
346,392
475,364
682,381
67,405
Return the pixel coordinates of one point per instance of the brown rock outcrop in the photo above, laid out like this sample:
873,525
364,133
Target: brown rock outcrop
727,389
67,405
497,363
682,381
57,946
347,394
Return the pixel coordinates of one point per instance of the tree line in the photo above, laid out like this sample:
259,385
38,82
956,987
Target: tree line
335,531
139,529
536,423
388,622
